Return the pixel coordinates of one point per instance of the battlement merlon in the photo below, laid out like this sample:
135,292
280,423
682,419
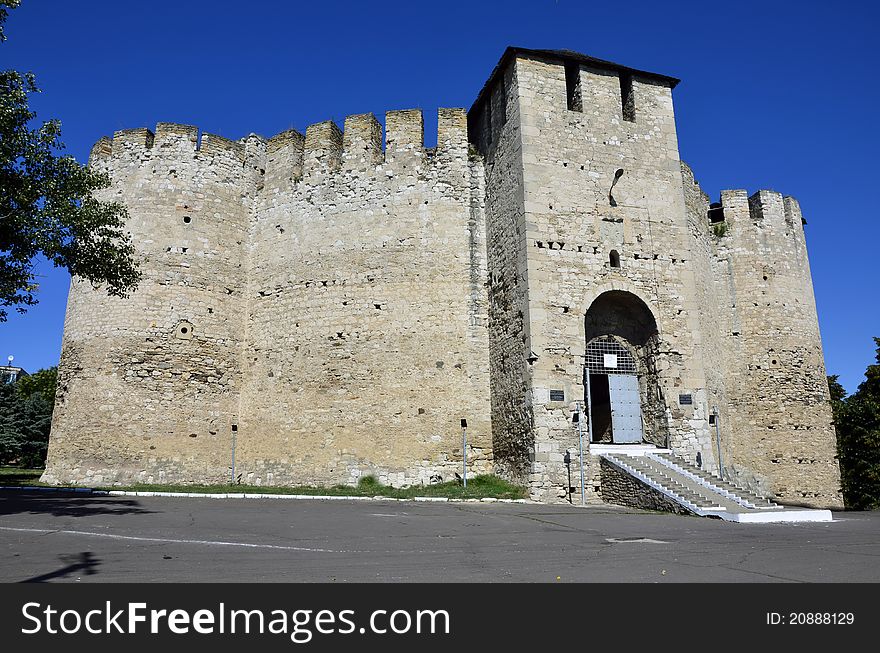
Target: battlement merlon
323,149
362,142
102,150
172,136
452,133
284,159
404,134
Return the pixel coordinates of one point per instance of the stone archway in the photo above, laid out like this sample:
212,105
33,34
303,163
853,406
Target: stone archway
622,340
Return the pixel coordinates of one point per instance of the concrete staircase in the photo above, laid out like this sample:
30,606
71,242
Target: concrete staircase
705,494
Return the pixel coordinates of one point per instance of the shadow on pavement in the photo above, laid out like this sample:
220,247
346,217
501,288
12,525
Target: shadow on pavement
67,505
82,564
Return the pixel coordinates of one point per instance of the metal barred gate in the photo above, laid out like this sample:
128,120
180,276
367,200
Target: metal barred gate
607,357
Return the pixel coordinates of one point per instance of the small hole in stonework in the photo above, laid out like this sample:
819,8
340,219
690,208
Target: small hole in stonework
192,435
187,219
184,330
774,361
421,411
765,277
614,258
439,365
210,310
378,306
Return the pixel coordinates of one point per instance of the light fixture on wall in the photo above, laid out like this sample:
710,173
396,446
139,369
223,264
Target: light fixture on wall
617,175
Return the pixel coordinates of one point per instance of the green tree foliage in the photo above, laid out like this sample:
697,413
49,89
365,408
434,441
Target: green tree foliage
25,418
857,420
42,382
47,206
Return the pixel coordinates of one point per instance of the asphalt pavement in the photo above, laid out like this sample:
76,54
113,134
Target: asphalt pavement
65,537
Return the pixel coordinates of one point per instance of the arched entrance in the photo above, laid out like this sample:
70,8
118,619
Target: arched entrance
625,403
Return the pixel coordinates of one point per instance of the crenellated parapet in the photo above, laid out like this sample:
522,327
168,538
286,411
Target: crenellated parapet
323,155
179,150
328,155
765,210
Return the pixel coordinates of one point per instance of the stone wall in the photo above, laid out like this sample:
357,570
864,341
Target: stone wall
317,299
367,320
623,489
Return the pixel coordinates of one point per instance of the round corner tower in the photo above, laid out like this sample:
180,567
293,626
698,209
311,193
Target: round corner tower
149,385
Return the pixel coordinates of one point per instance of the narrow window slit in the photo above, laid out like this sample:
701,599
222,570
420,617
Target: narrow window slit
627,98
573,86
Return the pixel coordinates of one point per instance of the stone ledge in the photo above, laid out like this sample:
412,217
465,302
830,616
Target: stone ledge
244,495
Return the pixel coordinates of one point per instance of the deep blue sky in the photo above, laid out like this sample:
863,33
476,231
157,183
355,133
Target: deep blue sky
779,95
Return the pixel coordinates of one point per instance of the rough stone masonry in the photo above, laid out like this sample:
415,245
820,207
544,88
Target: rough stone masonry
316,308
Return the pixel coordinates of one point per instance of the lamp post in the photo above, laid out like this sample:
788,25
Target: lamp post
464,452
580,427
567,461
718,442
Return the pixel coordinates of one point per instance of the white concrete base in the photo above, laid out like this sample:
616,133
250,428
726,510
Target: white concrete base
630,449
776,516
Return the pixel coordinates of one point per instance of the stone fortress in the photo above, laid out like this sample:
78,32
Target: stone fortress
316,308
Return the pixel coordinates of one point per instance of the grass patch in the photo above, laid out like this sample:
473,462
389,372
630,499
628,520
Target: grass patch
478,487
719,229
20,476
